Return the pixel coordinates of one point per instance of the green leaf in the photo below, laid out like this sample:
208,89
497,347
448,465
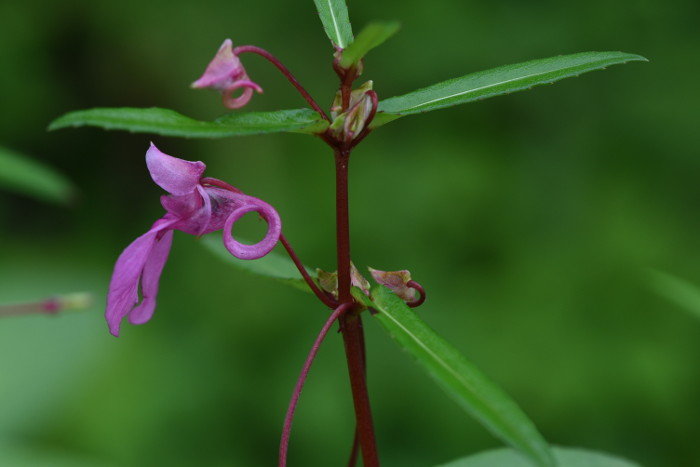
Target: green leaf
26,176
478,395
371,36
274,265
498,81
679,291
167,122
565,457
336,23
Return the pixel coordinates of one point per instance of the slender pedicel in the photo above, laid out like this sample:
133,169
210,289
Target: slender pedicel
330,303
286,431
285,71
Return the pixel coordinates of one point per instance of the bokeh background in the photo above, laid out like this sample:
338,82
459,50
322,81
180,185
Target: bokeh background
532,220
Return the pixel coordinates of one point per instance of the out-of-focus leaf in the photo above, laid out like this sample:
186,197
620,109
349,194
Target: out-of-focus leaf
373,35
565,457
497,81
273,265
478,395
679,291
167,122
336,23
23,175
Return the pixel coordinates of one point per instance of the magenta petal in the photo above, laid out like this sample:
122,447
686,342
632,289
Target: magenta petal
123,288
263,247
150,278
176,176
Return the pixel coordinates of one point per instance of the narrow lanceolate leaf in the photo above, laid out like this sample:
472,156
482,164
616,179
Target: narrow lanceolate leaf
273,265
565,457
681,292
371,36
501,80
478,395
167,122
336,23
23,175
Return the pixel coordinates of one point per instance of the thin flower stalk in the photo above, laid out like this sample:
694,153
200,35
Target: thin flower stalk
285,71
287,429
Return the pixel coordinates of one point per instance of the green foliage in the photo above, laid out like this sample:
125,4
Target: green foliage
167,122
373,35
23,175
564,457
274,265
497,81
478,395
681,292
336,23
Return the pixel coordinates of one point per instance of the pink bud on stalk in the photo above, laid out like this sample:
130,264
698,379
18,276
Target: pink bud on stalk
225,73
73,301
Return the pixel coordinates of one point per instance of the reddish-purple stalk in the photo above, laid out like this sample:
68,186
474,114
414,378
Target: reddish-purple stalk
286,431
351,322
350,319
328,301
50,306
285,71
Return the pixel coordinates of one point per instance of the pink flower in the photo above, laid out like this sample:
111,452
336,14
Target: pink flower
226,74
195,206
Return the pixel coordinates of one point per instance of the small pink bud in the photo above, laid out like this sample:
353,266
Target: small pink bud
225,73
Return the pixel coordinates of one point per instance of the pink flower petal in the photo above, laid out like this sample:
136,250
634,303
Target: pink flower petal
150,278
123,288
222,70
176,176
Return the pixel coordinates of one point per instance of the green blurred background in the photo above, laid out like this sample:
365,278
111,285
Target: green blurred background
531,219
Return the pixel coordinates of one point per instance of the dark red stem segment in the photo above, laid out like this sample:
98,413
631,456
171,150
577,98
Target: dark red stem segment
286,431
351,322
351,325
330,303
285,71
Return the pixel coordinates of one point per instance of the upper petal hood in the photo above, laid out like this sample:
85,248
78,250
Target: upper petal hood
176,176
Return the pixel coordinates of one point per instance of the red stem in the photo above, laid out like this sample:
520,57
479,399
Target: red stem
286,431
351,322
285,71
330,303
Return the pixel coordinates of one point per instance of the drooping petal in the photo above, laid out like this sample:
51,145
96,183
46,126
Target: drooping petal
264,246
123,288
176,176
150,278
